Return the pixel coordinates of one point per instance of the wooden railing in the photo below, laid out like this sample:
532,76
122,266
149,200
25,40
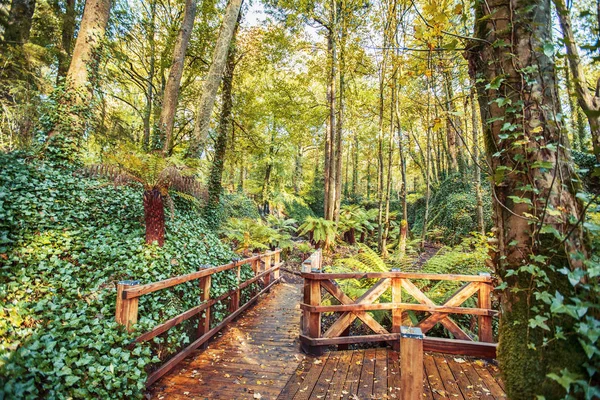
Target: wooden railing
314,339
266,271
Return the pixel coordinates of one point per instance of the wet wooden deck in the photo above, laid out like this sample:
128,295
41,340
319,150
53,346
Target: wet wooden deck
259,357
374,374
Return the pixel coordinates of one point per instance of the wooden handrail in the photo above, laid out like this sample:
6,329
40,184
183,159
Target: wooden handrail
265,266
394,274
401,284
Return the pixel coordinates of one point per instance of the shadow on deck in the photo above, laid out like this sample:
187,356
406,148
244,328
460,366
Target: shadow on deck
259,356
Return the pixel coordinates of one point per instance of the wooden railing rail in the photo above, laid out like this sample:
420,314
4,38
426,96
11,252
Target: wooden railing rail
314,339
266,269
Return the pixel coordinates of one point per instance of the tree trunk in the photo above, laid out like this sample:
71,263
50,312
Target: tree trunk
476,168
68,30
154,215
79,81
150,79
340,123
330,165
532,174
589,102
171,93
213,78
355,167
216,173
89,37
428,162
19,21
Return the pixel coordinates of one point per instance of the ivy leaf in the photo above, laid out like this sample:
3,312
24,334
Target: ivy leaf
520,200
548,49
540,322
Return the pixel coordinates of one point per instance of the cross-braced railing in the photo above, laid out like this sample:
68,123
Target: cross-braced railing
401,284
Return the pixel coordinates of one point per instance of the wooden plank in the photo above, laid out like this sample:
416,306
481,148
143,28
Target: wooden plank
393,374
396,311
496,390
386,337
381,372
399,307
403,275
322,387
367,375
154,286
339,377
353,377
481,388
411,365
433,377
312,377
173,361
446,376
294,383
485,323
467,390
460,347
495,372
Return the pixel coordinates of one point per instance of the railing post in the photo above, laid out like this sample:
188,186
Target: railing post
234,302
204,325
267,278
484,301
411,363
276,261
312,320
126,312
396,312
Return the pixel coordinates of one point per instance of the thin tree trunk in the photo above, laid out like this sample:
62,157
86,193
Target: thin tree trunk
150,78
340,124
68,30
427,160
589,102
330,165
355,167
388,188
213,78
532,173
171,93
476,168
216,174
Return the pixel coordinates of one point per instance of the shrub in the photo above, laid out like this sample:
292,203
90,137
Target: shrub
64,243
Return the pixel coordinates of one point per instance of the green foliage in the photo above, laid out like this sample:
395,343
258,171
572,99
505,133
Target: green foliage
252,235
238,205
320,231
294,207
64,243
453,210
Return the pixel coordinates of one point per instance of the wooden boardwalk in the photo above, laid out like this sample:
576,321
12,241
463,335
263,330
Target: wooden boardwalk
253,358
374,374
258,357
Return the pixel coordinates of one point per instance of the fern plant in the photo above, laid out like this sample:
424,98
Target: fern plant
158,175
250,235
320,231
353,219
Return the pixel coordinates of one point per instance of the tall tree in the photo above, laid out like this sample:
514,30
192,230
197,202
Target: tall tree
588,101
66,43
225,124
534,186
213,78
20,19
171,93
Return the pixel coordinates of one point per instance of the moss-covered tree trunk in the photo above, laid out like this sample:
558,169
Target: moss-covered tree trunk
154,216
215,186
534,191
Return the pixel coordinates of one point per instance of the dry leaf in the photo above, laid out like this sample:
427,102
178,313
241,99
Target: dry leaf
257,396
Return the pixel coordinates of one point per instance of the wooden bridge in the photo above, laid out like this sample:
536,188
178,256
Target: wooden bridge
277,349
